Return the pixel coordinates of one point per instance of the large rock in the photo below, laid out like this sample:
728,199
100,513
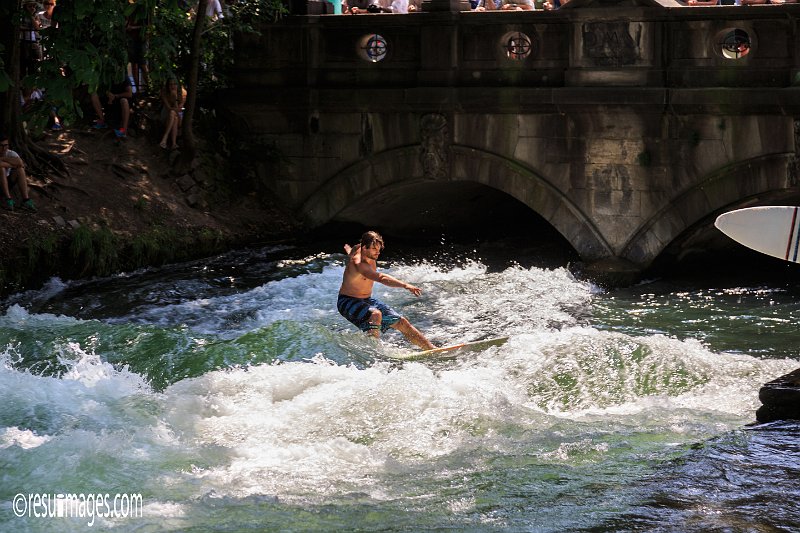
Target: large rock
780,398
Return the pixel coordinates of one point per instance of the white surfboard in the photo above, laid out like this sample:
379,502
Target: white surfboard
772,230
449,351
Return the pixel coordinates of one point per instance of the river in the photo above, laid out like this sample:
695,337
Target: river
229,395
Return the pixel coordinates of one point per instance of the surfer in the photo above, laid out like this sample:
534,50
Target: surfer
355,301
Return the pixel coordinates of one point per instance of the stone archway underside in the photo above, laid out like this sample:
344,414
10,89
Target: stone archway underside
388,173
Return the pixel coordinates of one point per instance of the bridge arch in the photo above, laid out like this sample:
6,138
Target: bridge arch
748,182
392,170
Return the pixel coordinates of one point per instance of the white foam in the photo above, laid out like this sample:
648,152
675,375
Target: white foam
24,438
317,429
50,289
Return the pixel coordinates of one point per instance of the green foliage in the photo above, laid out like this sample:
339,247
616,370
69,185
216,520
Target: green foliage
85,53
88,51
36,118
42,251
168,29
5,81
95,251
210,241
163,244
171,32
154,247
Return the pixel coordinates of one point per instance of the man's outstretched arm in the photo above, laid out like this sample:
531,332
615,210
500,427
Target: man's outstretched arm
369,272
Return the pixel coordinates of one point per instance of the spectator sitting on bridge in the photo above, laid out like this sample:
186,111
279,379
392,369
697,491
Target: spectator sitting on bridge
762,2
489,5
365,6
399,6
505,5
517,5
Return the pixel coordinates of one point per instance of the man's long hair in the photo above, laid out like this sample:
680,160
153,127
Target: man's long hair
370,237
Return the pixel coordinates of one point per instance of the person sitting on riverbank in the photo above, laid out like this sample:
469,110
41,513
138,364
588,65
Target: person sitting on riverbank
29,98
117,103
172,99
12,172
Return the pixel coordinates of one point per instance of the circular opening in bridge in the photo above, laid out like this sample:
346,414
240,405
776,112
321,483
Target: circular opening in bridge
734,43
373,47
517,45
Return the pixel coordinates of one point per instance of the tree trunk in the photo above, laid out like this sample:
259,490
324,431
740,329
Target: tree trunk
12,125
37,160
189,143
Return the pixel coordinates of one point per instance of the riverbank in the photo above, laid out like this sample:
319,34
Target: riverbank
119,207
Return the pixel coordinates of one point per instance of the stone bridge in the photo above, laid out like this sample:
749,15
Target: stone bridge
624,124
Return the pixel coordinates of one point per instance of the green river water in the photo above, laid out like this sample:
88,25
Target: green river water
230,396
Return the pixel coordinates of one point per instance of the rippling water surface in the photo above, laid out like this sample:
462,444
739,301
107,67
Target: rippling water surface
231,395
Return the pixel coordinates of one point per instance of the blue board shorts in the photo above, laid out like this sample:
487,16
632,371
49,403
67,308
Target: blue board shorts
358,310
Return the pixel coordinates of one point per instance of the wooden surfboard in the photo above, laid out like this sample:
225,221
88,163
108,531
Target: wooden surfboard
772,230
450,350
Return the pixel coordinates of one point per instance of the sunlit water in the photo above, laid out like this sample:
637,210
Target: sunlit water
232,396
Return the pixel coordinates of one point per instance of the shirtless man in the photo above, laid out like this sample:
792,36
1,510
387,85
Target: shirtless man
355,301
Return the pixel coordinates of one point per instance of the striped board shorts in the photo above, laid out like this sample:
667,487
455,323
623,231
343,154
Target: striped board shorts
358,310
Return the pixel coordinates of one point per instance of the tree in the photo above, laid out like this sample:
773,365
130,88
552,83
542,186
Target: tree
11,13
189,143
88,51
85,50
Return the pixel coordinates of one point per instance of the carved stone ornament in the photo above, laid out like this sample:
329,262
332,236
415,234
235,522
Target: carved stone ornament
612,43
433,141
